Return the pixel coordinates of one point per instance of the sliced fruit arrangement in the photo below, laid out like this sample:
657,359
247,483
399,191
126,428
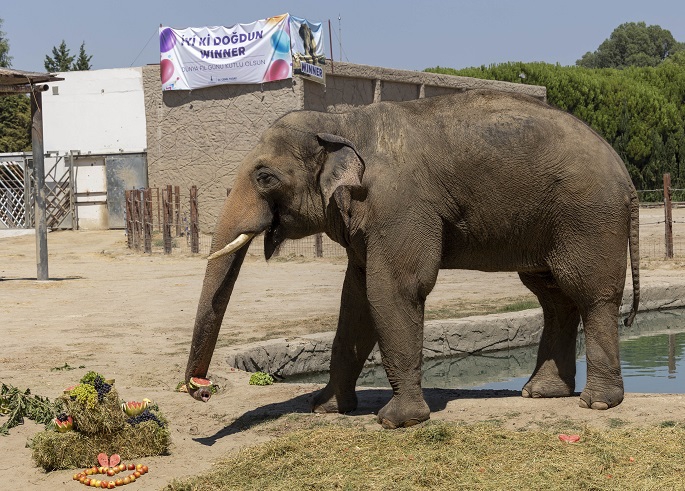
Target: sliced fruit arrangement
134,408
64,423
110,466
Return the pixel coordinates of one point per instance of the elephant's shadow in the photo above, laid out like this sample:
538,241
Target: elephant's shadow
369,402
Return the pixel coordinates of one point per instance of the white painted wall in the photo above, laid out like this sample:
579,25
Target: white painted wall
95,111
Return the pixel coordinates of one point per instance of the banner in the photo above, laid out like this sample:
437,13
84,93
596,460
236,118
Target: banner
241,54
306,44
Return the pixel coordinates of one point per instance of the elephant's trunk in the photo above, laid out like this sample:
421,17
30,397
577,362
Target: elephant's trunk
216,292
244,215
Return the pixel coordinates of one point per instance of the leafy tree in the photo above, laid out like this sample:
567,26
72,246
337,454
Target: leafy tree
83,60
632,44
61,60
15,111
5,58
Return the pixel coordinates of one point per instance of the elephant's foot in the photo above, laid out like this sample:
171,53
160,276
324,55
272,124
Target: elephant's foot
326,401
539,387
403,411
601,399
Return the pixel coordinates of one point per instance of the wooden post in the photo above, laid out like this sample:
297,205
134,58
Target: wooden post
147,219
669,216
318,245
129,218
194,227
177,210
159,220
134,216
168,219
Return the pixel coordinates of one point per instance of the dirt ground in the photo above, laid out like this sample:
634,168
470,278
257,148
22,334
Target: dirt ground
130,317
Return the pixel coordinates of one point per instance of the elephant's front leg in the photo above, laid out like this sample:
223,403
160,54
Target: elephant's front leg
397,296
354,340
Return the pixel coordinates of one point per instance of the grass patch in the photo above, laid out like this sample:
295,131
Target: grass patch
452,456
487,307
518,306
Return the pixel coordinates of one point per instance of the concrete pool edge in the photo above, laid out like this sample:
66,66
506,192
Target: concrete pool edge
446,337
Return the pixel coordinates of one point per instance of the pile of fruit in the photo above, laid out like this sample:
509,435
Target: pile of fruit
93,419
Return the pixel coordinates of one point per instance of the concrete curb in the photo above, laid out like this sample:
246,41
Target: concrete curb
478,334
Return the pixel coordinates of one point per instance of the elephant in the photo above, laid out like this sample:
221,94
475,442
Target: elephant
480,179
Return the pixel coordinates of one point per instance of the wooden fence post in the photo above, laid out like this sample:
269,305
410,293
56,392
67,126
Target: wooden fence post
147,219
159,219
194,227
136,219
318,245
168,217
129,219
668,216
177,210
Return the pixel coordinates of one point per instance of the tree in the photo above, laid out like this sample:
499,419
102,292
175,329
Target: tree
61,60
15,111
5,58
83,60
633,44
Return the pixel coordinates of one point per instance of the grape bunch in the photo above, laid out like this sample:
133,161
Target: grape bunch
62,417
102,387
144,416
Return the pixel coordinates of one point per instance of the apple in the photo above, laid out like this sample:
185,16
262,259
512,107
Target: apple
121,467
119,482
127,480
86,481
103,484
137,474
110,472
145,469
139,467
131,467
133,477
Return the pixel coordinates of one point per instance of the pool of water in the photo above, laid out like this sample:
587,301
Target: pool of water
652,361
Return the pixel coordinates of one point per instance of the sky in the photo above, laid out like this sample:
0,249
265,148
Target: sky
400,34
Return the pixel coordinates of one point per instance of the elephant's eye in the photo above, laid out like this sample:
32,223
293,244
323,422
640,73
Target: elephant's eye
266,179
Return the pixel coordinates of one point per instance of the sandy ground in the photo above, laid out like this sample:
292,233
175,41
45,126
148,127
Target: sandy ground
130,317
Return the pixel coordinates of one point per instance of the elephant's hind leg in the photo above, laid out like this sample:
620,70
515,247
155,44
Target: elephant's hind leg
354,340
604,387
555,371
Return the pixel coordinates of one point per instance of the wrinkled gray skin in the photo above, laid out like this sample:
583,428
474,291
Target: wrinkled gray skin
477,180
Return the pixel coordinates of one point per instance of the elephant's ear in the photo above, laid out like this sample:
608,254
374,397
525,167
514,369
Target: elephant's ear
343,165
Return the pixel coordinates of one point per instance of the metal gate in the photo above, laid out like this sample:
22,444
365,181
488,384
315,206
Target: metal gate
17,192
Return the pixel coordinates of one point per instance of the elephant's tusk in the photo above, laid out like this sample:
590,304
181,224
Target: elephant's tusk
232,246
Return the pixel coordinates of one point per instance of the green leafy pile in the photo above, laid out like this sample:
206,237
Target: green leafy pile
17,405
261,378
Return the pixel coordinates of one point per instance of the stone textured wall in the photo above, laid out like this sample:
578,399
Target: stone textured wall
199,137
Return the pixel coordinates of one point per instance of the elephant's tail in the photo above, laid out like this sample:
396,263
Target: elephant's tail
634,249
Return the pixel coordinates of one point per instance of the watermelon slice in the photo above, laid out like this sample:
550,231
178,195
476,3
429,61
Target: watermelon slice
134,408
64,426
108,462
198,383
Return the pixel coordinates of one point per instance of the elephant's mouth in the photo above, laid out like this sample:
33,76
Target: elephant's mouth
274,236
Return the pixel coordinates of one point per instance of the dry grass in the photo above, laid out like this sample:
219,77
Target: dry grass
450,456
52,450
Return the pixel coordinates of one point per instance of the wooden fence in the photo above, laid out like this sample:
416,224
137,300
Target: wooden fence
155,212
167,218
